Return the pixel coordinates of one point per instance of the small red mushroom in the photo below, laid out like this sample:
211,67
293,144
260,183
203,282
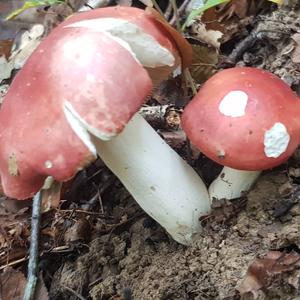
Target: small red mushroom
244,119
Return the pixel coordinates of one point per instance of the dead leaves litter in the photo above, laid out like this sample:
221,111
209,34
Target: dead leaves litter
262,270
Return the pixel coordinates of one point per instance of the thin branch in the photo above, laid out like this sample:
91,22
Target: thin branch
32,273
176,14
155,4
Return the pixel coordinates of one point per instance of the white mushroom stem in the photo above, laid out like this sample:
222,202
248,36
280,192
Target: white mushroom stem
232,183
162,183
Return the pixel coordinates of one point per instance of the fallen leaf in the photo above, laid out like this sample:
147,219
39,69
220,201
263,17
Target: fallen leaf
12,284
230,18
41,292
79,231
168,92
5,47
261,271
204,63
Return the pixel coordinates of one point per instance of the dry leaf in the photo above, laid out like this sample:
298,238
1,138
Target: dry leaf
80,231
204,63
260,272
12,284
5,47
41,292
232,17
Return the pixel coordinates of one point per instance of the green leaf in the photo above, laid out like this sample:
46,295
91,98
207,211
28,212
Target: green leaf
30,4
196,12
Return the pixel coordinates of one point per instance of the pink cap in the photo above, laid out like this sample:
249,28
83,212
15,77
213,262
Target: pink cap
72,68
244,118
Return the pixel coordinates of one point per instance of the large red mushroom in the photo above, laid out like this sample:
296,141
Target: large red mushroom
246,119
74,98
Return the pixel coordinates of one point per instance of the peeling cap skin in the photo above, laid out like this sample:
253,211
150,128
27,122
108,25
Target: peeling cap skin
152,24
35,136
149,21
244,118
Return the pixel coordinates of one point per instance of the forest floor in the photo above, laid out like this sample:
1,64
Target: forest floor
99,244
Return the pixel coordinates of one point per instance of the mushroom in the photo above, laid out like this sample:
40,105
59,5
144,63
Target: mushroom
73,99
245,119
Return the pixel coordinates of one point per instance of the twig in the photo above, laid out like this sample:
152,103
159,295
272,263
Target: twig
180,10
73,292
13,263
155,4
240,49
176,14
189,79
168,11
33,251
82,211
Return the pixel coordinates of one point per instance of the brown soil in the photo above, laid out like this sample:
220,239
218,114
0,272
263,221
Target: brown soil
142,260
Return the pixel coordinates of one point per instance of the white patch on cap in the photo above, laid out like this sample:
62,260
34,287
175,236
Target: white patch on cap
48,164
234,104
147,50
276,140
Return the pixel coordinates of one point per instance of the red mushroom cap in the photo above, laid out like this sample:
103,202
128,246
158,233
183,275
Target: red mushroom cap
72,68
244,118
80,78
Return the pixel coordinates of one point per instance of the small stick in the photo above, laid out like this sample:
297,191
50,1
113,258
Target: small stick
176,14
168,11
189,79
13,263
155,4
73,292
180,11
33,251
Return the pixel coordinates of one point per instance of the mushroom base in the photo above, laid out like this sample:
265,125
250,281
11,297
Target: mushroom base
232,183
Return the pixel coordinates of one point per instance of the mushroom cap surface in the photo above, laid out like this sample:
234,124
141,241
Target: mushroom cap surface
73,68
149,20
244,118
